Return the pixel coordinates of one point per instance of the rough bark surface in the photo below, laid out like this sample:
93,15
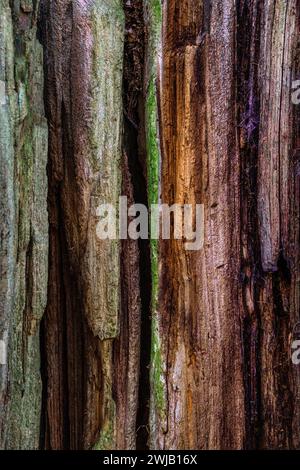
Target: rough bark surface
110,344
24,226
83,44
230,137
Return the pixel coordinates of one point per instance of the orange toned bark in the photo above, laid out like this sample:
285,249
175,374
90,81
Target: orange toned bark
230,137
200,294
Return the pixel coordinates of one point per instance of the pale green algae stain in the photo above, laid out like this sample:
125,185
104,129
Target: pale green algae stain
107,433
7,202
108,26
153,153
153,19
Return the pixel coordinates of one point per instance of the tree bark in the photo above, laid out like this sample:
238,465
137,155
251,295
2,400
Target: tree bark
24,223
124,344
229,134
83,44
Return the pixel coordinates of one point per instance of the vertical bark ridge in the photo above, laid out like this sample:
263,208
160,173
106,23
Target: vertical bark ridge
200,296
127,346
277,207
83,48
248,47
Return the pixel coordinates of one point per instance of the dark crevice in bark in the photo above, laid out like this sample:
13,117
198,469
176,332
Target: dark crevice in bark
206,16
144,384
248,47
28,304
48,327
134,146
126,357
140,197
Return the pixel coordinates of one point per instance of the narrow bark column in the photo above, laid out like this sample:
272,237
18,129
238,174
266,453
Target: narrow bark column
83,45
269,130
24,224
153,27
127,345
132,348
248,118
293,174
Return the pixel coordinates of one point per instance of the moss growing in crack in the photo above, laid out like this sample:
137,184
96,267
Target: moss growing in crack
153,158
155,6
152,143
153,21
107,436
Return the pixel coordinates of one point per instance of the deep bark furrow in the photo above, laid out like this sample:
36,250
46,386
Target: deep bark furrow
83,307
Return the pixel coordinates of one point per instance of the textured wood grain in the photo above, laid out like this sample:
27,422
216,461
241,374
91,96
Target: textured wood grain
229,140
127,346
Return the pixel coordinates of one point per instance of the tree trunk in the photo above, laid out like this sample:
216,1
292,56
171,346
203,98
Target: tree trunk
124,344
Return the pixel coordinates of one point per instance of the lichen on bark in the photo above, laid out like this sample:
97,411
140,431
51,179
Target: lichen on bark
153,24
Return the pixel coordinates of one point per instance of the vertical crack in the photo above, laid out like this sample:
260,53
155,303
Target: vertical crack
135,148
62,332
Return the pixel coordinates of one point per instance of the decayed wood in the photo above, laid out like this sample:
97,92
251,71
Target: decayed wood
278,210
229,134
24,227
200,296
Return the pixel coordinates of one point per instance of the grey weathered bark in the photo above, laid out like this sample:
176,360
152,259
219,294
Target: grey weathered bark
24,223
147,343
